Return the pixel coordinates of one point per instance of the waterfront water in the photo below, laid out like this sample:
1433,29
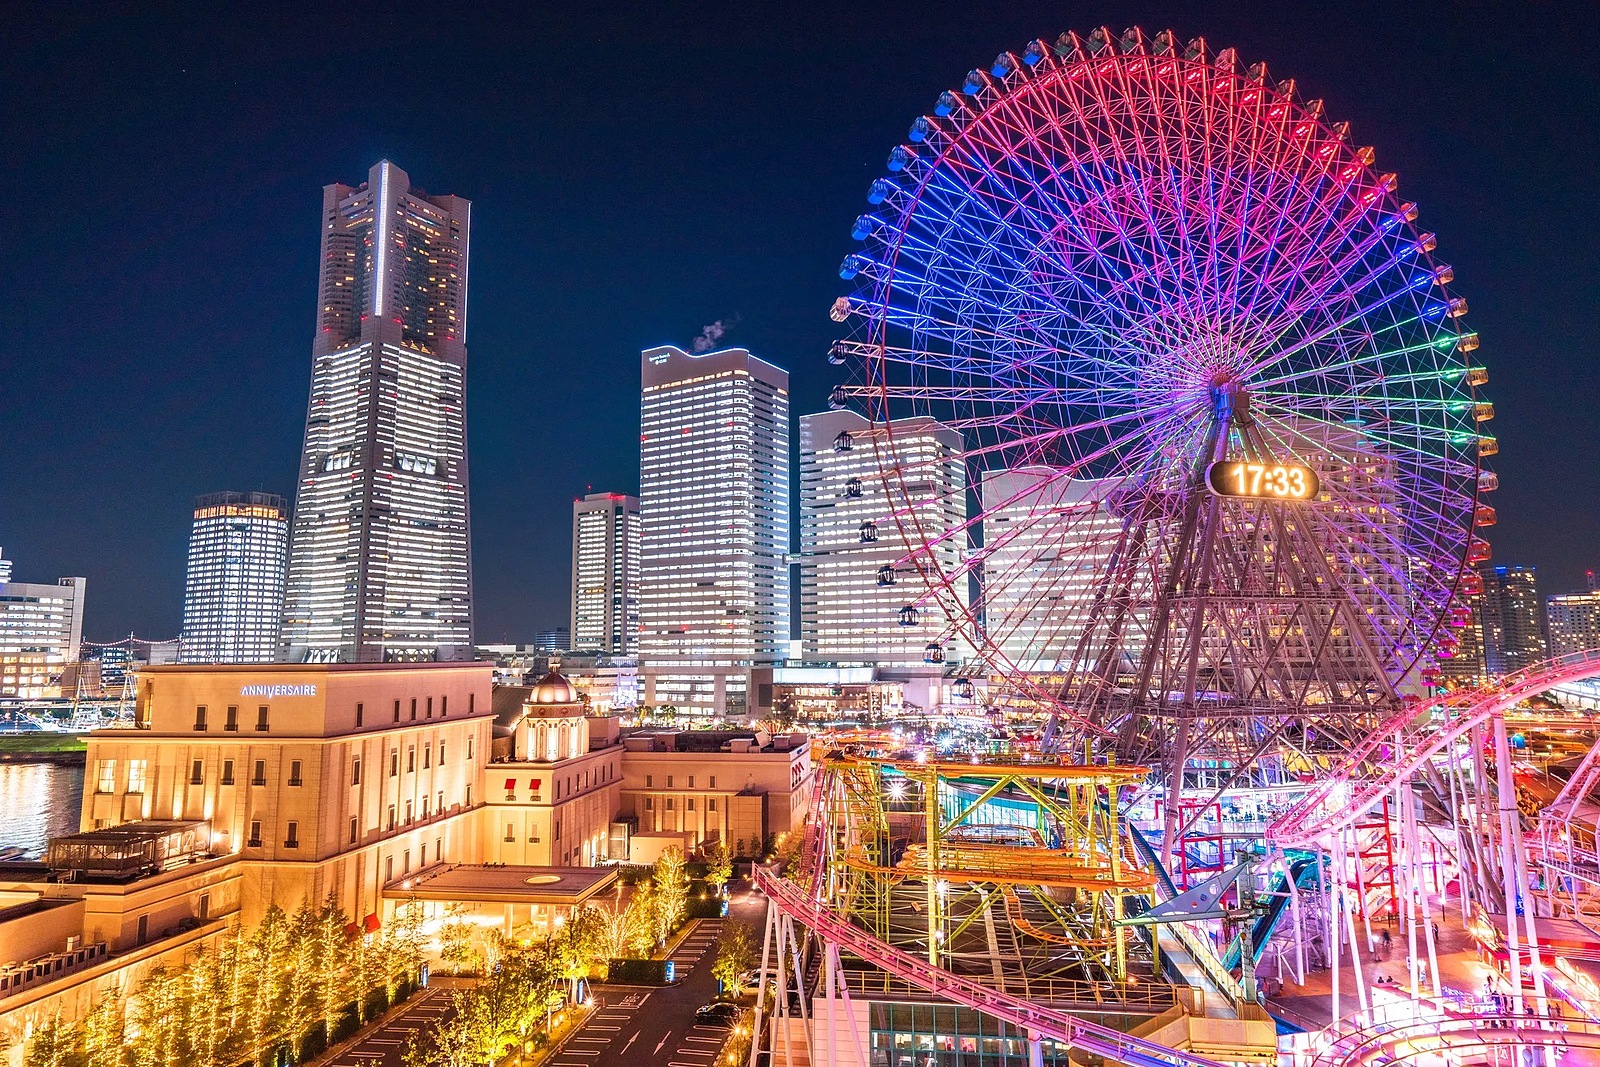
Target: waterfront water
38,801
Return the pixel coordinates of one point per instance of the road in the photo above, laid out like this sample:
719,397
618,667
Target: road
655,1027
384,1046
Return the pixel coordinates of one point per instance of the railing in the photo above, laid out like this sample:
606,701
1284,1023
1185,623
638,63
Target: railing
1079,996
1036,1021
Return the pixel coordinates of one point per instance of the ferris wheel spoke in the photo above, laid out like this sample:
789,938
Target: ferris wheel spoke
979,173
1275,356
943,253
1316,374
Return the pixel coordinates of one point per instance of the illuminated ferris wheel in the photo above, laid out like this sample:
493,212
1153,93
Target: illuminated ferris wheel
1221,428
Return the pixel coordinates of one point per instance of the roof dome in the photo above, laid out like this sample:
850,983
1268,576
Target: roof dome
553,688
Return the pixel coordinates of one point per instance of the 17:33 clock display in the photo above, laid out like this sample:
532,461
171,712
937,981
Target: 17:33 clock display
1262,481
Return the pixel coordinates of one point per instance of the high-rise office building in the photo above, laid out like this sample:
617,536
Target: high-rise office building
860,567
1574,621
233,594
714,511
41,629
1512,620
605,573
379,565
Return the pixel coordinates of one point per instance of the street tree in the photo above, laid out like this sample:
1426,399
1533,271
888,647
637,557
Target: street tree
735,954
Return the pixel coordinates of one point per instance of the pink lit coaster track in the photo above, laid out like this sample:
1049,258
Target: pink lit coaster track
1411,739
1450,1038
1037,1022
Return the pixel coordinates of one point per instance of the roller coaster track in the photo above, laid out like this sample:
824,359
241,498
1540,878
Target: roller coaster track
1038,1022
1422,1039
1424,729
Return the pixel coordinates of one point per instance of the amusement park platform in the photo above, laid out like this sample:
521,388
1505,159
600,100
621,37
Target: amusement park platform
1461,972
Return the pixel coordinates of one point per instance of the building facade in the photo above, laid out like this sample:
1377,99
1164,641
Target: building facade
864,552
605,573
41,629
1049,540
233,591
380,563
1512,620
1574,622
714,511
333,778
554,784
699,786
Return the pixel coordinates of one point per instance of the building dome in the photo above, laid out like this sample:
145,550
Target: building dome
553,689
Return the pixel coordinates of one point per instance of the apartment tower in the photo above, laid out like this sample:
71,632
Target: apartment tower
1512,620
380,568
714,511
233,593
605,573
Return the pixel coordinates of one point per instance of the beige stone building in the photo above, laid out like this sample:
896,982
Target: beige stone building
553,786
244,786
742,787
319,778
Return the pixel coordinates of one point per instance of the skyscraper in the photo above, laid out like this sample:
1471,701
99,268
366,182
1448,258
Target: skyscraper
1512,620
851,607
605,573
233,594
41,629
714,510
379,565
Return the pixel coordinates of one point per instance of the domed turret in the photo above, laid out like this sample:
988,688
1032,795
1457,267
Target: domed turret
553,688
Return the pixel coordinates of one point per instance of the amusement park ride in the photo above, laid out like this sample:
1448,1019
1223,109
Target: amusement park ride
1224,443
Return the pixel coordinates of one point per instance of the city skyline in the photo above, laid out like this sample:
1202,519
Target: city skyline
601,293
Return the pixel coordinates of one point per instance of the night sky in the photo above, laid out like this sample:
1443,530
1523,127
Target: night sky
636,175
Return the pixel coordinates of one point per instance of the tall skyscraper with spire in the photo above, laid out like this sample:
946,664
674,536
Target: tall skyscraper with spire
380,566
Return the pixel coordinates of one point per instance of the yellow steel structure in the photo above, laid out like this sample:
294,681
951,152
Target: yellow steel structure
1025,856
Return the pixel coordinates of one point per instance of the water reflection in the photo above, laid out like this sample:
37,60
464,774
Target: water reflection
38,801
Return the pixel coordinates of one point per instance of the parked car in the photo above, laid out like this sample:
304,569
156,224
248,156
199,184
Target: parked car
719,1013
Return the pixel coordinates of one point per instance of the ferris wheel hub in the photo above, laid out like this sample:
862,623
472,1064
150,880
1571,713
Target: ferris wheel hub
1230,400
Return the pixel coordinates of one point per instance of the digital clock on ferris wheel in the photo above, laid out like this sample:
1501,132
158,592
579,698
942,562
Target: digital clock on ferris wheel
1262,481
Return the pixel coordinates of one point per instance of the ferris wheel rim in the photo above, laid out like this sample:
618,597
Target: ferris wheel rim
880,410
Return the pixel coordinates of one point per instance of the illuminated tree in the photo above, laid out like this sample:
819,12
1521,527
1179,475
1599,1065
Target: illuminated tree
54,1045
671,884
735,955
719,866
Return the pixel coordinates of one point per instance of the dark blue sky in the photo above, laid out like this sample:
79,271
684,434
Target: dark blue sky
636,175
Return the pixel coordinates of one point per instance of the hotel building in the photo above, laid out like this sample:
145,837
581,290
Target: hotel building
714,510
41,629
1574,621
1512,620
1048,541
331,778
380,561
233,594
605,573
862,551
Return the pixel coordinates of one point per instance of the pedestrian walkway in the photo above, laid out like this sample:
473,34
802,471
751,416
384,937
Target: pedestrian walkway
1463,976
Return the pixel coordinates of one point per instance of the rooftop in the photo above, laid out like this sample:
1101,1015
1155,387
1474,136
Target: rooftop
505,883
